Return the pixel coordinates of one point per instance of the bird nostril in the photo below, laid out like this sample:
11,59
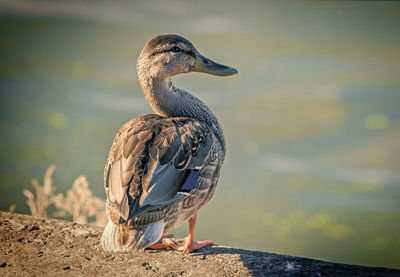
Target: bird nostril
206,61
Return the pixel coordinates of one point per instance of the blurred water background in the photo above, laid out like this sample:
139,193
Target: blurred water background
312,121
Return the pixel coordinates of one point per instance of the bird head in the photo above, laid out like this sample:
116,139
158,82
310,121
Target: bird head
167,55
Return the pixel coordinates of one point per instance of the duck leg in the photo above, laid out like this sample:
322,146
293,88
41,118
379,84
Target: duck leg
188,244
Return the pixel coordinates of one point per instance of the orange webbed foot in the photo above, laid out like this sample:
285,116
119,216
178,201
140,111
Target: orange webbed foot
166,241
182,245
190,246
186,245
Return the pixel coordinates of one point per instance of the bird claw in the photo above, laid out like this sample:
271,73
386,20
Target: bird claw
185,246
189,248
182,245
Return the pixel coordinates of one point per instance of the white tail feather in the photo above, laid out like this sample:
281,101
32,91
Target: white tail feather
116,239
109,239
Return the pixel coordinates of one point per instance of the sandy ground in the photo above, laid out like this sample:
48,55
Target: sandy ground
31,246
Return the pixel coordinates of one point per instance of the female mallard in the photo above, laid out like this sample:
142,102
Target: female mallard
162,168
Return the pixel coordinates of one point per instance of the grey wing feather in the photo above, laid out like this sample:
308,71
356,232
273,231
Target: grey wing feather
161,187
150,158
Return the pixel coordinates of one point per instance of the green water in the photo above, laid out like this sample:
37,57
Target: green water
312,121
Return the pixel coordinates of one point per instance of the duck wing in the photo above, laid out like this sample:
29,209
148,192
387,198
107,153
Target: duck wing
154,161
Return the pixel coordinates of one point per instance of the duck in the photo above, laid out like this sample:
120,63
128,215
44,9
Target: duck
163,167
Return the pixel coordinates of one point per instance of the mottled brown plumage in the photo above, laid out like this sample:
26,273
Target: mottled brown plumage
162,168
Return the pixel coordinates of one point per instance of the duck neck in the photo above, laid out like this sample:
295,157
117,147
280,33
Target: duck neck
162,96
169,101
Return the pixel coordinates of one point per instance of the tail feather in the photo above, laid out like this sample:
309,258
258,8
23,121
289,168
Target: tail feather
117,238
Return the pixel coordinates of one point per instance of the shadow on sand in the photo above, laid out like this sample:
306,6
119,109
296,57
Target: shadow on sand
269,264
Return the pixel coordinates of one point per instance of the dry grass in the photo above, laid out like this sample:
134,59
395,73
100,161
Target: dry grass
79,201
11,209
39,204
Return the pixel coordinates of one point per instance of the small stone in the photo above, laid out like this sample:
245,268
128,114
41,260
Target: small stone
34,228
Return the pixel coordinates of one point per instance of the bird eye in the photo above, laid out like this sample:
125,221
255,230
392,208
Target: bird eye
175,49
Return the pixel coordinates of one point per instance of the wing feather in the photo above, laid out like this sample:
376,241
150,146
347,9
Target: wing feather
149,161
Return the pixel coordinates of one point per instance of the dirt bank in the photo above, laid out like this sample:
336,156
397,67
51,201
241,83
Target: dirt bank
31,246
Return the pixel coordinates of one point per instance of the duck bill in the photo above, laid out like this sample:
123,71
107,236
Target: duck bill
208,66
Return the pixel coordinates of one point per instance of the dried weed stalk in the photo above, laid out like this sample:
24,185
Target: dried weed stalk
38,205
11,209
79,202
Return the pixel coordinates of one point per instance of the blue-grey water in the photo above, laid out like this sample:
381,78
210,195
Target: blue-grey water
312,121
